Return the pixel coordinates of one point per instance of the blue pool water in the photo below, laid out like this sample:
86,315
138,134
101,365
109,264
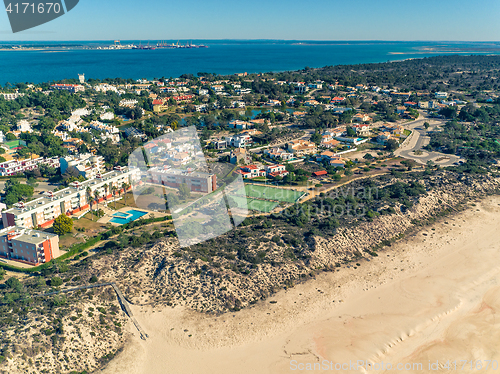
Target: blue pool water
129,216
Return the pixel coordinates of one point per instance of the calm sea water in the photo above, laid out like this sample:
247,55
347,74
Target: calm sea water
222,57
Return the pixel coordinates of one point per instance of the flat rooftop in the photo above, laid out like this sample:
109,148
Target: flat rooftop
26,235
41,201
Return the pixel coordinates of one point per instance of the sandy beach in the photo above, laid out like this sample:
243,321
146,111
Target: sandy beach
430,298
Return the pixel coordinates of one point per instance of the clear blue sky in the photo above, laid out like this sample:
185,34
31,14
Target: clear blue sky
460,20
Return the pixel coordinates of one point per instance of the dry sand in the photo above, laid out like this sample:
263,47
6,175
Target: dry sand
430,297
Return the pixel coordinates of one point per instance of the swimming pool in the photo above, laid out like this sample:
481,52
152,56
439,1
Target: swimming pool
129,216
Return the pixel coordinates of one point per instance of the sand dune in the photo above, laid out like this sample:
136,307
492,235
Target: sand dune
432,297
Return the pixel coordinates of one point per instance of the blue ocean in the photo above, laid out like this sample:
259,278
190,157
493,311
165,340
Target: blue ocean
222,57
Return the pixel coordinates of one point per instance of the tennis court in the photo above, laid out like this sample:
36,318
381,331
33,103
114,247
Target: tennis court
271,193
261,205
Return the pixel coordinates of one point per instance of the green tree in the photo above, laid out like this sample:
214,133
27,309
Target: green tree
316,138
62,224
351,132
426,125
56,282
14,284
184,191
391,145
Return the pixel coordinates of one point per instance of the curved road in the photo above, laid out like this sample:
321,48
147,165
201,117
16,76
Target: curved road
419,139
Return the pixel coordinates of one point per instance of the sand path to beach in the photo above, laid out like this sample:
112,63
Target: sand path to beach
434,296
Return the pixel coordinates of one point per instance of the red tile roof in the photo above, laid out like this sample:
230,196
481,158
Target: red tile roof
318,173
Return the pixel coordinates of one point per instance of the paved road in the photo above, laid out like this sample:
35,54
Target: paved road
419,139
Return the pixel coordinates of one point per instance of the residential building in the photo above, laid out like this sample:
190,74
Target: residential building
275,170
243,91
87,164
383,137
316,85
337,100
361,117
300,89
410,104
134,133
12,96
14,167
325,155
24,126
337,161
251,171
129,103
41,212
301,147
218,144
362,129
340,110
311,103
274,103
107,116
196,181
28,246
441,95
240,156
159,105
237,124
218,87
239,141
183,98
329,143
354,141
278,153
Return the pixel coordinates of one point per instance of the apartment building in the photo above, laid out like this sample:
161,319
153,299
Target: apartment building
196,181
11,96
28,246
88,165
14,167
41,212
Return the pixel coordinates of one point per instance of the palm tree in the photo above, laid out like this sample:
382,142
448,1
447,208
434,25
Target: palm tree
124,187
96,195
89,200
106,187
113,189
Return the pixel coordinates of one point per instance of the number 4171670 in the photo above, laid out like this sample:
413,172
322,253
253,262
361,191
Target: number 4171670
32,8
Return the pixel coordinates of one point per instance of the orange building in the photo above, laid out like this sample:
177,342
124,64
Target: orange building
29,246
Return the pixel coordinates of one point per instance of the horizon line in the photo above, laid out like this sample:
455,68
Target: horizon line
282,40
